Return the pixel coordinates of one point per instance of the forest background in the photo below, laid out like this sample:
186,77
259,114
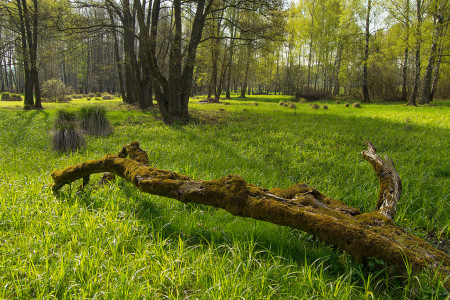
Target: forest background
394,50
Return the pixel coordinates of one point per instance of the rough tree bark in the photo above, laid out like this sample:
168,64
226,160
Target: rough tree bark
362,235
365,87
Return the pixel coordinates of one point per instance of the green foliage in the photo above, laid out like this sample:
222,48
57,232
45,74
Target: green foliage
56,91
117,242
94,121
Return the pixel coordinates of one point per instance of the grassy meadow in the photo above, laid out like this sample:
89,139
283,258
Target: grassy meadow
114,242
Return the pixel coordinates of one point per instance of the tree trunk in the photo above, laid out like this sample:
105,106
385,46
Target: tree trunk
228,69
337,68
132,76
405,59
230,57
365,87
247,68
436,74
23,18
412,99
223,70
117,57
362,235
428,78
172,93
34,63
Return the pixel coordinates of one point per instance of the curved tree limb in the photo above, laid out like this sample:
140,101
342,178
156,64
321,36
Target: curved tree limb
390,183
362,235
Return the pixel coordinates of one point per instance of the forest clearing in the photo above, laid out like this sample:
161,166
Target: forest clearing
113,241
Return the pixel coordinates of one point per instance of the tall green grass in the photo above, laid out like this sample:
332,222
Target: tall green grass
115,242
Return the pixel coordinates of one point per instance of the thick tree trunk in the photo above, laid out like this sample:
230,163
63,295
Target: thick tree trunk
427,94
117,57
362,235
172,93
34,63
415,90
23,19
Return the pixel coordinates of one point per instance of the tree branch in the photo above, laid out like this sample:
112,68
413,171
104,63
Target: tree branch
390,183
363,236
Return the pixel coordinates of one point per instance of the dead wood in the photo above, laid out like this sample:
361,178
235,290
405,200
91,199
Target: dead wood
362,235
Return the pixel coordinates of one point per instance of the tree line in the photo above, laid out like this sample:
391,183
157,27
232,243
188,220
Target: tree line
170,50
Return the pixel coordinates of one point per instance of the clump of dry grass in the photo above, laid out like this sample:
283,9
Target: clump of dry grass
315,106
6,97
357,105
292,105
67,136
325,107
94,120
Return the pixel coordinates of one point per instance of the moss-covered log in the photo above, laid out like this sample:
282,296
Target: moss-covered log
362,235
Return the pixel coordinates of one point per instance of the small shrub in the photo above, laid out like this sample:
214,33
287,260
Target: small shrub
94,121
108,97
56,90
315,106
357,105
6,97
67,136
325,107
76,96
292,105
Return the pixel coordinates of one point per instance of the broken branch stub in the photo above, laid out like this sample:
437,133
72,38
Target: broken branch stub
390,183
362,235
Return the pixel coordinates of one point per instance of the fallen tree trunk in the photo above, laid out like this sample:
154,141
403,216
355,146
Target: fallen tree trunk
362,235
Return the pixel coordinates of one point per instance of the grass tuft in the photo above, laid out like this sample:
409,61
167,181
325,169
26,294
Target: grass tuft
94,120
67,136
